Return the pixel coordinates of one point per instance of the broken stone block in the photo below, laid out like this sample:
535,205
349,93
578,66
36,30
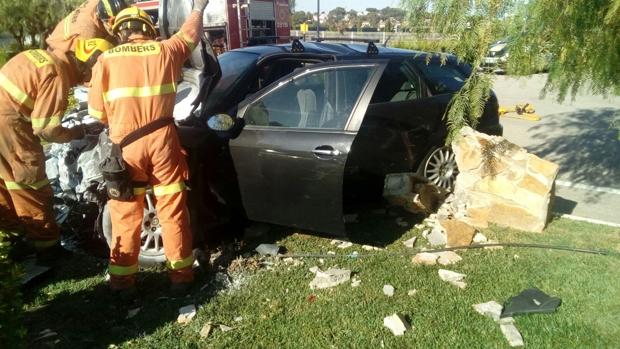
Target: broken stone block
458,233
411,242
186,314
330,278
206,330
412,292
453,278
388,290
397,324
425,258
268,249
355,282
447,257
436,237
225,328
479,238
491,309
341,244
503,182
370,248
510,331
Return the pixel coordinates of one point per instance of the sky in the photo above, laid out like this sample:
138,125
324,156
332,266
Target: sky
358,5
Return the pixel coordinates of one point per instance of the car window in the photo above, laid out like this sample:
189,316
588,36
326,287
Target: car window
447,78
399,82
235,66
320,99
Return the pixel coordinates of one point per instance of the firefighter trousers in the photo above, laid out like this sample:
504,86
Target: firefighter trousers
156,159
25,194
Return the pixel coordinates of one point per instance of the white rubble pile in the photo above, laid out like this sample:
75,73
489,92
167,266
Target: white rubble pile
186,314
507,325
329,278
453,278
388,290
397,324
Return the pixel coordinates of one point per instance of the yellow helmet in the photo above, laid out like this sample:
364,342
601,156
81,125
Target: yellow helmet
87,50
134,18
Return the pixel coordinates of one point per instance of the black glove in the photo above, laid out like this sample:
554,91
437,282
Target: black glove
199,5
94,128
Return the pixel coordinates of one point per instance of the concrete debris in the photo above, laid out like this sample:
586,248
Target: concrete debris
206,330
412,292
447,257
268,249
239,318
419,226
355,282
341,243
331,252
491,309
186,314
388,290
411,242
501,182
425,258
458,233
510,331
322,261
437,237
479,238
314,269
397,324
351,218
425,233
330,278
453,278
370,248
225,328
132,312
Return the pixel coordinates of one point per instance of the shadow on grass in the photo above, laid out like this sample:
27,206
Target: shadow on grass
583,144
85,314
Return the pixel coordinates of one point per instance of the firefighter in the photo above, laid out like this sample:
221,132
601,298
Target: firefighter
93,19
34,89
134,85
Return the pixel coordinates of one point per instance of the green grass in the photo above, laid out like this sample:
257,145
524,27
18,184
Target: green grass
278,311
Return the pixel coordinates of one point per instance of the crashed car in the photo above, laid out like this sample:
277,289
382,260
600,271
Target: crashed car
287,134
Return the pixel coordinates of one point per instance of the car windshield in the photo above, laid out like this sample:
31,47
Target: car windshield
234,65
447,78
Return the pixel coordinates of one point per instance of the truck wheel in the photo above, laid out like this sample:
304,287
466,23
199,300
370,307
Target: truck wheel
439,167
151,244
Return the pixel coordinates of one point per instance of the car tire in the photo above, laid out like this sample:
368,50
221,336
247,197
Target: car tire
440,168
151,254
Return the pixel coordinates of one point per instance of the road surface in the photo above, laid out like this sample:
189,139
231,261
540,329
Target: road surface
575,134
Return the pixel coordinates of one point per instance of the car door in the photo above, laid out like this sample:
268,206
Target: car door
290,157
202,70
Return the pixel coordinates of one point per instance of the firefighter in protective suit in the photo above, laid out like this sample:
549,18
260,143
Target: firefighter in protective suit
134,85
34,89
93,19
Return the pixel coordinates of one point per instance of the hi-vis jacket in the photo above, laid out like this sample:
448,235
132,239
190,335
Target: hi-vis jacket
135,83
34,86
81,23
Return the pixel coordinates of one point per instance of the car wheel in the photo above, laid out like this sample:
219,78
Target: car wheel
439,167
151,243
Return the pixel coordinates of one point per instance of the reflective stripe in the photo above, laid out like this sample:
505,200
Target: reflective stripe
15,92
20,186
187,40
67,32
139,190
44,122
96,113
183,263
42,244
146,91
122,271
39,58
169,189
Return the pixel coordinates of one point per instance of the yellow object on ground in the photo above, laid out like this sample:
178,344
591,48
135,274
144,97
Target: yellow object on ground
524,112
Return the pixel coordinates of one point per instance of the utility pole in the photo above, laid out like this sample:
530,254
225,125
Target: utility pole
318,20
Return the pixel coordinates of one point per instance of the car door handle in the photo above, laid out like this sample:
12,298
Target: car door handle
326,150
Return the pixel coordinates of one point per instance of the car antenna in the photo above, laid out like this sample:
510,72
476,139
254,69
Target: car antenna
372,49
297,47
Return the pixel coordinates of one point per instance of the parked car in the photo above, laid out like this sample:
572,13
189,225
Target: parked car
496,58
314,124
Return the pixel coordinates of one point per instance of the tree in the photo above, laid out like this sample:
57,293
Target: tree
32,20
579,39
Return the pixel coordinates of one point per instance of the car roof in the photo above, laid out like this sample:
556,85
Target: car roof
340,50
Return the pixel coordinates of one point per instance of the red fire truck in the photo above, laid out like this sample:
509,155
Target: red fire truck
232,24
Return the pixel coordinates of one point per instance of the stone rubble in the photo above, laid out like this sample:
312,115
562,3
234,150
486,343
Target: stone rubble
412,292
447,257
411,242
458,233
425,258
479,238
206,330
397,324
492,309
186,314
453,278
388,290
329,278
268,249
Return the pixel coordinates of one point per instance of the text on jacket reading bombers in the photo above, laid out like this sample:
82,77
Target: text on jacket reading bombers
133,48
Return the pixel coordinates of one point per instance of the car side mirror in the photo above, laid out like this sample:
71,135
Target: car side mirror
221,122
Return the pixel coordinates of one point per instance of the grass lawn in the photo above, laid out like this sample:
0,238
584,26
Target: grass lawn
273,306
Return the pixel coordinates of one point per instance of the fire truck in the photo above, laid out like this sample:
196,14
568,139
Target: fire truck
232,24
